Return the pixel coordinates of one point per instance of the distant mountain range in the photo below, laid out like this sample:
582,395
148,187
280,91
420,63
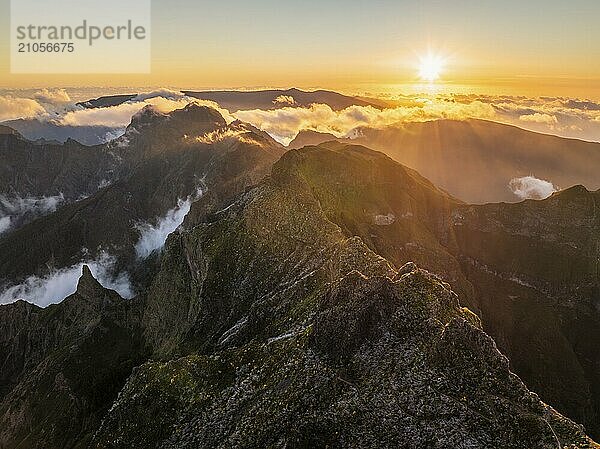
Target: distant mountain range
234,101
275,99
325,296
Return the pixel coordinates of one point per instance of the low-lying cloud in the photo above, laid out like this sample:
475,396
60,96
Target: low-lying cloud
285,123
14,211
15,108
537,117
530,187
154,236
120,116
284,99
43,104
560,116
59,284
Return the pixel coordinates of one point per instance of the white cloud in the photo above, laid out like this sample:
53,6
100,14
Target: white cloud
59,284
53,97
530,187
120,116
539,118
14,108
5,224
57,106
285,123
13,209
284,99
154,236
163,92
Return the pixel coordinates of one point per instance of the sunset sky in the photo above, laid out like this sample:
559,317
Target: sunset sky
531,47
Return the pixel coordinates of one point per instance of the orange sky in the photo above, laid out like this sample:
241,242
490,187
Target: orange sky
511,47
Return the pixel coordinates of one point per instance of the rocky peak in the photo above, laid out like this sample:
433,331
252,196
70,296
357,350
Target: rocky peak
147,116
165,130
88,286
199,114
577,191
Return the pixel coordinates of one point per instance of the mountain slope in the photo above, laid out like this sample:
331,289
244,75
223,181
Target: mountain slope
236,100
107,101
70,169
535,266
53,132
309,137
475,160
274,99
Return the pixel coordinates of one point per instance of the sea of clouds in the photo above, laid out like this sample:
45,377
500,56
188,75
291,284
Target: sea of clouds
560,116
567,117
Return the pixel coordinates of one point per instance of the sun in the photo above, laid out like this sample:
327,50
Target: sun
430,67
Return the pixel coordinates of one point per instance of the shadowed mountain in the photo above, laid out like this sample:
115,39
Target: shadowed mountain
310,137
35,178
475,160
73,169
62,366
107,101
535,267
6,130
